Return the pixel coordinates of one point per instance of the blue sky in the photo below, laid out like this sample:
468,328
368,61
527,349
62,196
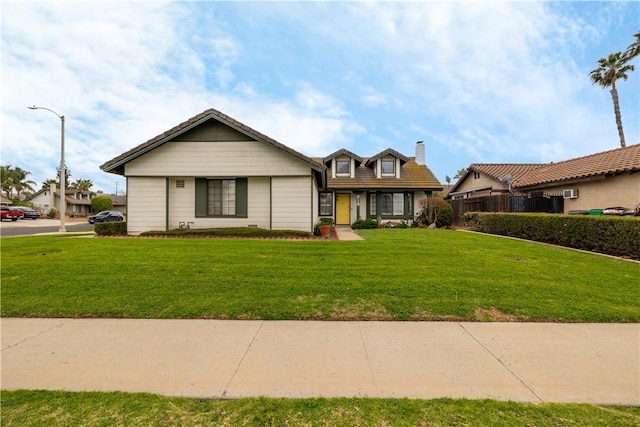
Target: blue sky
492,82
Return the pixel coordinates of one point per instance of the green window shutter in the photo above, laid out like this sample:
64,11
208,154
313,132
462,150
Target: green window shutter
241,197
201,197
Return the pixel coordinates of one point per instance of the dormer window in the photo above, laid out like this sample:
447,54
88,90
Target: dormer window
388,166
343,166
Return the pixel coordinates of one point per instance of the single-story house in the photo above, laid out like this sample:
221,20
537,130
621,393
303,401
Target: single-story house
600,180
213,171
78,202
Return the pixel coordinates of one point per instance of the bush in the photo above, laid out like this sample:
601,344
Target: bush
52,213
101,203
111,228
435,210
610,235
364,224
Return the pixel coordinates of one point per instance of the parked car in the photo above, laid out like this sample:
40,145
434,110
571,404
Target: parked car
637,209
28,212
7,212
106,216
617,210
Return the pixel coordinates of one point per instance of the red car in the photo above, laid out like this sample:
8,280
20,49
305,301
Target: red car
9,213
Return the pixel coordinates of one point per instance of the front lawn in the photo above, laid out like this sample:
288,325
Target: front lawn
47,408
396,274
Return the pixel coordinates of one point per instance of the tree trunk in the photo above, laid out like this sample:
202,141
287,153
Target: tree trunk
616,110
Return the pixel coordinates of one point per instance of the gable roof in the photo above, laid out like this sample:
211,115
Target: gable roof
388,151
619,160
341,152
116,165
497,171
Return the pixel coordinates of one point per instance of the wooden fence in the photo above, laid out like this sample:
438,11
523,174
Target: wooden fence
537,202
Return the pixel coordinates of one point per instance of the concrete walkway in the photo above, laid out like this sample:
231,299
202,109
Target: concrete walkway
526,362
345,232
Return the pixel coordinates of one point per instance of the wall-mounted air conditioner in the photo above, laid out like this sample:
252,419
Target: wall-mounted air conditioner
570,194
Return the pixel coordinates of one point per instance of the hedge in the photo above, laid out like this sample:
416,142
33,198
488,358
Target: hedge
618,236
111,228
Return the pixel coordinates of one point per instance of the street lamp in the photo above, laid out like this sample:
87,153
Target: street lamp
63,201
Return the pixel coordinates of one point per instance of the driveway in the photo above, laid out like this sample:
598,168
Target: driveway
28,227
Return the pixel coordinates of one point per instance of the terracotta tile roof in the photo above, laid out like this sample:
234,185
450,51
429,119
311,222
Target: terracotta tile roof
607,162
116,165
499,170
412,176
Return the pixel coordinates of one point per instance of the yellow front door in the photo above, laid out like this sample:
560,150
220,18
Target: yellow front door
343,209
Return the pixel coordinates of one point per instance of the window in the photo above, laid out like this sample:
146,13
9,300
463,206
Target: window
390,205
388,166
373,210
476,175
326,204
343,166
221,197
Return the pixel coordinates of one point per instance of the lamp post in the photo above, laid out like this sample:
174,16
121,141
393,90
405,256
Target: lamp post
63,201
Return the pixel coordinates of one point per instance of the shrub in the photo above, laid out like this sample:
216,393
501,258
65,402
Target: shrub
111,228
364,224
101,203
435,210
52,213
618,236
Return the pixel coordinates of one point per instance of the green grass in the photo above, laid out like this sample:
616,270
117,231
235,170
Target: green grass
412,274
48,408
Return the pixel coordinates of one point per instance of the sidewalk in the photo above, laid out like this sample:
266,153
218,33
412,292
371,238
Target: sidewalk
526,362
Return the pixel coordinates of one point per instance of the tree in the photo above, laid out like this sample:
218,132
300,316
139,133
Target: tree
14,180
82,184
67,175
634,48
47,184
101,203
448,179
461,172
611,69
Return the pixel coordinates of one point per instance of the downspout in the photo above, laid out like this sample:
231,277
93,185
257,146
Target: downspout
270,203
166,213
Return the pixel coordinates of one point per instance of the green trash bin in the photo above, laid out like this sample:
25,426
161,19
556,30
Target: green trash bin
595,212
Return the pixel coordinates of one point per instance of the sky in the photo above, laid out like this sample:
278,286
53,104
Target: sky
477,81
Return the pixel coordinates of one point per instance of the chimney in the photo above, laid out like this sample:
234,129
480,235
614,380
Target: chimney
420,152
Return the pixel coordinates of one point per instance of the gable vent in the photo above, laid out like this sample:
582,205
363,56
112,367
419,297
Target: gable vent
179,183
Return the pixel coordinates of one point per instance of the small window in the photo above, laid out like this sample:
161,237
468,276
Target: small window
326,204
343,166
373,204
476,175
388,166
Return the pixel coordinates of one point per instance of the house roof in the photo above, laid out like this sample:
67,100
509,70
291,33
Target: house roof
496,171
116,165
610,162
341,152
388,151
412,176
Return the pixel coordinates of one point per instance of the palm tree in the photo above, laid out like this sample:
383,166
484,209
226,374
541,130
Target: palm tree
609,70
14,180
461,172
82,184
634,48
20,181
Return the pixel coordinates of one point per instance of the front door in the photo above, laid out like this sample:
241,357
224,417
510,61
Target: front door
343,209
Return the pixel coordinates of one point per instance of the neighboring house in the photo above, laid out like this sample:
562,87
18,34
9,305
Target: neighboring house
4,201
600,180
78,203
213,171
487,179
